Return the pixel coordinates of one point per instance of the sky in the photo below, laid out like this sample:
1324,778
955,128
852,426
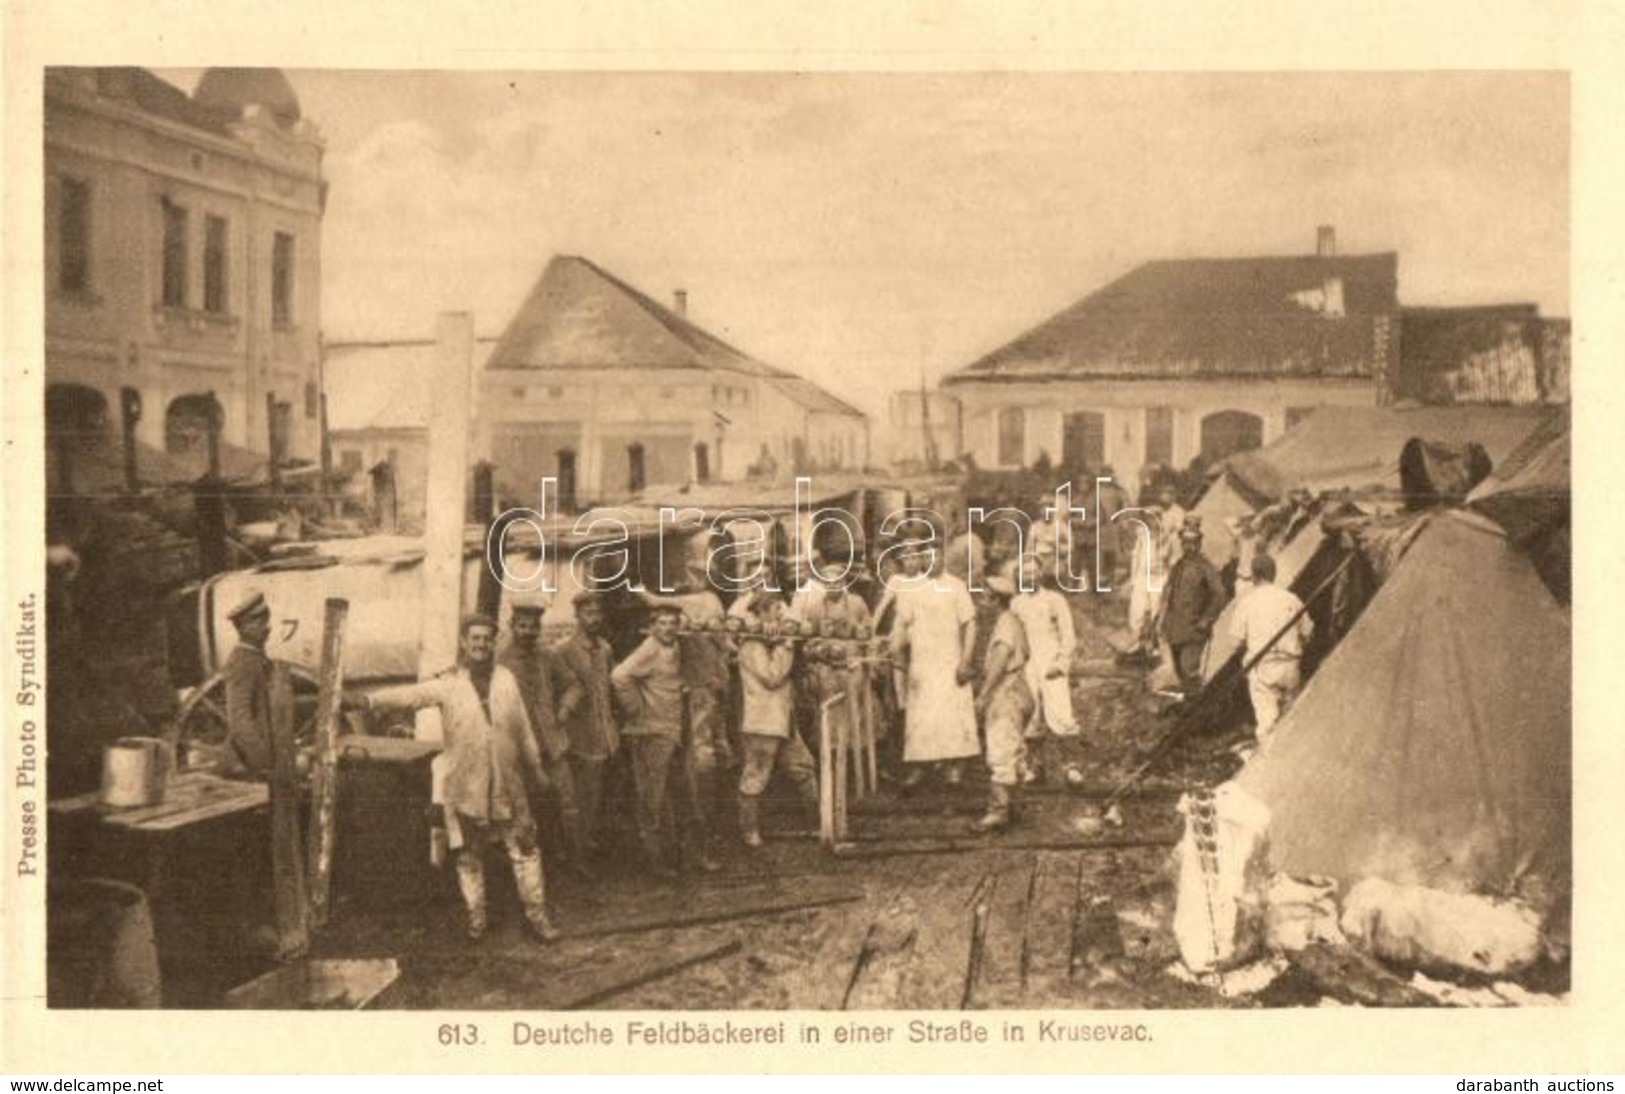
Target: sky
870,230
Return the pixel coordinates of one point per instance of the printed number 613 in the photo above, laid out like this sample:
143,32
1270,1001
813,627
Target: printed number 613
459,1035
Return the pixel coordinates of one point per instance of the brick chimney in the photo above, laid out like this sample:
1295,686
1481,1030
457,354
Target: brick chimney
1326,241
679,302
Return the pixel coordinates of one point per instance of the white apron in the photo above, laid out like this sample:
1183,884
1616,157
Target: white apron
939,721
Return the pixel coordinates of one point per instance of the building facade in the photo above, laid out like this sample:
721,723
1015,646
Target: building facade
1496,355
183,258
1184,359
601,386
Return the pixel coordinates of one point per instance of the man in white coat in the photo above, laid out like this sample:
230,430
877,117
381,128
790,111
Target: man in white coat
935,632
490,751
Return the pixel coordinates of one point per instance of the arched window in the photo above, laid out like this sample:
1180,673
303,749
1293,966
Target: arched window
187,422
1228,432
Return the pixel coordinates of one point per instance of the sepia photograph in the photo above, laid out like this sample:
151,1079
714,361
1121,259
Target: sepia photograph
757,541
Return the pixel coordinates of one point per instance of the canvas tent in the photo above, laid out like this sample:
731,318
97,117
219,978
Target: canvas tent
1351,448
1433,747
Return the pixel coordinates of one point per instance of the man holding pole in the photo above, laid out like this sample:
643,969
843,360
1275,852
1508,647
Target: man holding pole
1269,612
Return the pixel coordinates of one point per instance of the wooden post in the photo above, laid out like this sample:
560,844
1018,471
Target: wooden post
854,739
871,760
826,779
287,861
209,507
324,770
330,505
273,468
212,435
130,414
446,505
488,600
840,737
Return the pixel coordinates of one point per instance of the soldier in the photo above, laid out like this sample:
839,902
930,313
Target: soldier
1190,606
770,742
533,666
586,711
649,688
1004,702
490,751
248,694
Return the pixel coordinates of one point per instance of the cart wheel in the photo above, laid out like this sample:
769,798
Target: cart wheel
202,717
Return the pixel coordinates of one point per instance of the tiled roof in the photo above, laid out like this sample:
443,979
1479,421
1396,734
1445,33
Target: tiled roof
1201,318
580,316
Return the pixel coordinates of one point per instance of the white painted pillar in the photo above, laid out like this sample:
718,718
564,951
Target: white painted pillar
446,505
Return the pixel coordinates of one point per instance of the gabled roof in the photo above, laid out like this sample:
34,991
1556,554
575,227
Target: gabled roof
581,316
1201,318
152,95
383,385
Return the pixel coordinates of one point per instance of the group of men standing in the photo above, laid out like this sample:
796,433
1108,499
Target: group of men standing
690,704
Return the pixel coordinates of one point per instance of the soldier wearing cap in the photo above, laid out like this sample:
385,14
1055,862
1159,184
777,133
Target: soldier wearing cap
1191,604
649,689
586,709
248,693
533,666
490,752
1004,701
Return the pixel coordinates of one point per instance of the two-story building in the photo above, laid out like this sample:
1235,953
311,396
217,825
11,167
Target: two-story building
183,258
1185,358
612,392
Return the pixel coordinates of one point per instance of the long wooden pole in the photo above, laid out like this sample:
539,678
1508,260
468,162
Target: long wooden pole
324,771
446,506
287,866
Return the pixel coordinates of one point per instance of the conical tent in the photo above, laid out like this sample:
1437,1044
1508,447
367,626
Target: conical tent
1433,747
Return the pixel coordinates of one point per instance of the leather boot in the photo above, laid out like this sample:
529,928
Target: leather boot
575,848
529,880
997,817
471,881
750,820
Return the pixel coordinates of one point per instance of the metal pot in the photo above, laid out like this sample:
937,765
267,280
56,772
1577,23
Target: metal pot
135,771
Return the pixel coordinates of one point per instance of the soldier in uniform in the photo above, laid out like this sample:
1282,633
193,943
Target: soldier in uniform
533,666
248,693
586,711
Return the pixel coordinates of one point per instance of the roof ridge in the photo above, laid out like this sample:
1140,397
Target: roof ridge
678,325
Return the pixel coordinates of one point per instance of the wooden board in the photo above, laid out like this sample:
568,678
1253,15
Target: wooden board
188,799
719,906
1003,936
945,926
1047,952
600,983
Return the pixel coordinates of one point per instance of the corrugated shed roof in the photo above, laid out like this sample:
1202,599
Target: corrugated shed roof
1197,318
580,316
383,385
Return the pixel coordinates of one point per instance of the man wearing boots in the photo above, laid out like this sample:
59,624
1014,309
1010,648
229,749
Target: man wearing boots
587,711
770,744
649,688
1004,702
1190,606
490,751
532,665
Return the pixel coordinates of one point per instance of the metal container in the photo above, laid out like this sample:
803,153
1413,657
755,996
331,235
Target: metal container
135,771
